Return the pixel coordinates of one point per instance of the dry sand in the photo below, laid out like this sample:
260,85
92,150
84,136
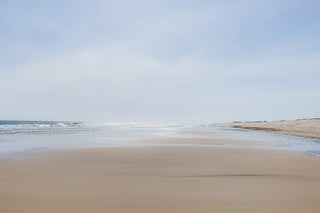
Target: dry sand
158,179
302,127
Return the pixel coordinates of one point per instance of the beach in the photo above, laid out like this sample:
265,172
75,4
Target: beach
300,127
122,106
167,178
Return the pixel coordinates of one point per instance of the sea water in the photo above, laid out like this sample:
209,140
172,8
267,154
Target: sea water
22,136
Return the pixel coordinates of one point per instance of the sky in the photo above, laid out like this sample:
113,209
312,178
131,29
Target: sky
159,61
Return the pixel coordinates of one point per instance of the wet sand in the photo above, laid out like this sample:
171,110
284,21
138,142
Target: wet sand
301,127
161,179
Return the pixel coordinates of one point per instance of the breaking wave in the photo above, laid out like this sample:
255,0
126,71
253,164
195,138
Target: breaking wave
18,127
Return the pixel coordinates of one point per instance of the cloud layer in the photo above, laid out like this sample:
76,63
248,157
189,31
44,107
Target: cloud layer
168,61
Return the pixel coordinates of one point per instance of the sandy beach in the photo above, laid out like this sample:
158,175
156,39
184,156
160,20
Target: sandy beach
301,127
118,106
161,179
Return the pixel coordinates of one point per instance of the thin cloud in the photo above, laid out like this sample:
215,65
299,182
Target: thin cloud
198,61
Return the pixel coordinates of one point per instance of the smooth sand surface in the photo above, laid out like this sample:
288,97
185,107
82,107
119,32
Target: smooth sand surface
302,127
203,133
158,179
198,141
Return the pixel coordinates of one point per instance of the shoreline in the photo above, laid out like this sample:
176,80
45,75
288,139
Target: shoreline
308,128
161,179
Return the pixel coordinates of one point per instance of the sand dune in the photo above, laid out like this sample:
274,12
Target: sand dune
300,127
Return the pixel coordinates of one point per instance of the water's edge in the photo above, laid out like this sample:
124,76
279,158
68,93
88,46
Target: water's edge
23,136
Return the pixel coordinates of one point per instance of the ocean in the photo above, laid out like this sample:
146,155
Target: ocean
21,136
17,137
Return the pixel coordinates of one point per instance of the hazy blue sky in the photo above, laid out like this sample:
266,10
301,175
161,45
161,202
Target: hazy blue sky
184,61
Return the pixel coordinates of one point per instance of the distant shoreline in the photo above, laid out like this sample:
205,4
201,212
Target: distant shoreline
301,127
